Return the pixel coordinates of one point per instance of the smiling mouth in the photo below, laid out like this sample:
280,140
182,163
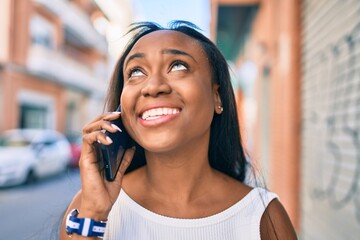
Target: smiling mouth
156,113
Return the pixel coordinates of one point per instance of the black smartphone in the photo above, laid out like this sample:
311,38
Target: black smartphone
110,156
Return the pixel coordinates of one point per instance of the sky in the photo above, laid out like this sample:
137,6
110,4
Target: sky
122,12
163,11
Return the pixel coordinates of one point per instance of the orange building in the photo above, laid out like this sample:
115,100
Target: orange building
260,39
296,74
53,64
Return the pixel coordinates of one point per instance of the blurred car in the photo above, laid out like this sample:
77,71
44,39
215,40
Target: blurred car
75,145
29,154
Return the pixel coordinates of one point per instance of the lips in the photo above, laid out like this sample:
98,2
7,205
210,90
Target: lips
156,113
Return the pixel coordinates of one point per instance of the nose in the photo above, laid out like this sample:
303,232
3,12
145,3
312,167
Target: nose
156,85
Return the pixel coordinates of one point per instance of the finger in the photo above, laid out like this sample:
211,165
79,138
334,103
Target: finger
105,116
90,139
111,115
125,163
99,126
97,136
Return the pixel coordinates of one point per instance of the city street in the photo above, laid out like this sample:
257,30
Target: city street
34,212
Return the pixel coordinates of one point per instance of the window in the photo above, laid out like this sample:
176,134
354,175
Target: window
37,109
33,116
42,31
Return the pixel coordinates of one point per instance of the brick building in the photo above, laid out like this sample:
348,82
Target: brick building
53,64
262,46
296,75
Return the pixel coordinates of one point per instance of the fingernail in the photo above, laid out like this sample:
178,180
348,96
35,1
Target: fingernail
98,141
116,113
108,139
116,127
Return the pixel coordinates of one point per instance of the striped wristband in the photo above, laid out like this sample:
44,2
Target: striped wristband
86,227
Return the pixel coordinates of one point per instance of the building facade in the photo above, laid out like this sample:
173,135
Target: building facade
53,64
297,75
263,48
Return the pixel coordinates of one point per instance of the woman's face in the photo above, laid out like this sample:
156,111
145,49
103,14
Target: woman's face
168,99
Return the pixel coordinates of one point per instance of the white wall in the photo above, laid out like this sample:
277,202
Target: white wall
331,120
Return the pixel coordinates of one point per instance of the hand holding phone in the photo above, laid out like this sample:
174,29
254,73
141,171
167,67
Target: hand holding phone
111,156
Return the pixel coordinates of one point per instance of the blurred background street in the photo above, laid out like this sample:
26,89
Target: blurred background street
35,211
295,72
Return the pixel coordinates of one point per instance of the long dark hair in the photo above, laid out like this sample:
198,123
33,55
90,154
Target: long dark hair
226,152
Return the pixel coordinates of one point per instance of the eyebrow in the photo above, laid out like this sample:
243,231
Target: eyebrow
135,55
165,51
177,52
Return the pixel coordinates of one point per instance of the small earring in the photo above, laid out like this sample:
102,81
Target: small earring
221,108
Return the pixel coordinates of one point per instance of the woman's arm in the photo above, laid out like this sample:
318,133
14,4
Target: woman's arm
97,195
75,203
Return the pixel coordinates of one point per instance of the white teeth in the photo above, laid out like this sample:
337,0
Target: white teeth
158,112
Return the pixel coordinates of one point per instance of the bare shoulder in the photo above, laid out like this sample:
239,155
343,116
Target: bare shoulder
275,223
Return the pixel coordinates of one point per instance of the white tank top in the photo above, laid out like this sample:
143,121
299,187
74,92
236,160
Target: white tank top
130,221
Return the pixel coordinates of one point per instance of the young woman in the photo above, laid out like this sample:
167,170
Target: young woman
187,179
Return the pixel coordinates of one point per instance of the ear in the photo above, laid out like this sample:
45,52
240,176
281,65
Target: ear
217,99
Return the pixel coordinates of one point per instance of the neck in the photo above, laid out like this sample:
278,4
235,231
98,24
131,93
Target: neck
179,177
